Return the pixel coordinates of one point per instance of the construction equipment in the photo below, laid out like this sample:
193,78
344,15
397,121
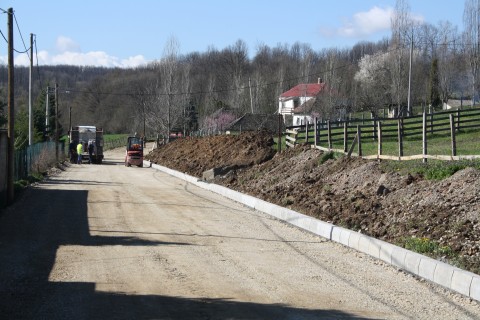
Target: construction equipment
134,152
88,135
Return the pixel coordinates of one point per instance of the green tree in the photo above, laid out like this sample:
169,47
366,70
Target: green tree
3,113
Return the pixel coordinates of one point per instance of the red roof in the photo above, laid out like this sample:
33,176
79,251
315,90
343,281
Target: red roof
301,90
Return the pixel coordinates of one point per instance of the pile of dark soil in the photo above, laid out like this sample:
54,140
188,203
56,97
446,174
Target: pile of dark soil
442,217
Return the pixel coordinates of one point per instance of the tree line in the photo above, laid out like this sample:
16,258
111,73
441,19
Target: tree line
420,64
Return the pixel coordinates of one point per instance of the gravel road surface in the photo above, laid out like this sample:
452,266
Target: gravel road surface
111,242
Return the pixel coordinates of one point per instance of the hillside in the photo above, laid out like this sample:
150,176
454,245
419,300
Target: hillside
439,218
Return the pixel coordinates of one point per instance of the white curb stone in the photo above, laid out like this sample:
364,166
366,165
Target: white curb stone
461,281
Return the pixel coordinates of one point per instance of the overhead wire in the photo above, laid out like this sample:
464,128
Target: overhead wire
19,31
36,56
198,92
21,37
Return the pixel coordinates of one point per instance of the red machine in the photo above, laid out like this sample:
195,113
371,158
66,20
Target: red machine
134,154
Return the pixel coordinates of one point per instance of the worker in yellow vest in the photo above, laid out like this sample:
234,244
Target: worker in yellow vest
79,152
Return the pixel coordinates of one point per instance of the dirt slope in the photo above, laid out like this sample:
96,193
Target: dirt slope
354,193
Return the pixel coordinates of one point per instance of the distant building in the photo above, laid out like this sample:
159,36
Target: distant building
295,104
457,104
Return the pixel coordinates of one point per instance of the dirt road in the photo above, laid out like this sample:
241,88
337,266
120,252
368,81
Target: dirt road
110,242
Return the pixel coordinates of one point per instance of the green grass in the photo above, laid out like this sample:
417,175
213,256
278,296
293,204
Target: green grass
426,246
112,141
116,136
439,143
329,155
467,143
432,170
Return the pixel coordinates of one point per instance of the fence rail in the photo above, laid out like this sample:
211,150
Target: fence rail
36,158
396,139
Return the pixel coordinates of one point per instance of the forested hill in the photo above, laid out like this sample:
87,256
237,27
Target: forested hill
368,76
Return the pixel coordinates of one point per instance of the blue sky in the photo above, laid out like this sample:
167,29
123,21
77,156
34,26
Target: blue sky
130,33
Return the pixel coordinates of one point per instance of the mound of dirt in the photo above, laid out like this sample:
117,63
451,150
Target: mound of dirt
196,155
357,194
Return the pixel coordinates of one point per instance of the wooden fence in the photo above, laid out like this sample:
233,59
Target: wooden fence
348,135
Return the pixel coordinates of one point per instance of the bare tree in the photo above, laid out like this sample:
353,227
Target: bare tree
447,56
471,38
400,27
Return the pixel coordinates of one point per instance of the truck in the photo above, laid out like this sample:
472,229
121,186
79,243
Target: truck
88,135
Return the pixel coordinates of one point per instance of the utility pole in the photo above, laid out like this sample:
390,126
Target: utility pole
30,114
11,113
56,122
69,113
47,113
251,99
409,107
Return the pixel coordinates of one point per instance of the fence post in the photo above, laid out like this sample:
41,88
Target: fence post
280,125
329,134
306,130
359,135
315,131
345,136
400,139
452,131
458,120
379,140
431,119
424,137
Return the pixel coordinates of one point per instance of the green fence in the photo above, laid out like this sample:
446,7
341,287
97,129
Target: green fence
36,158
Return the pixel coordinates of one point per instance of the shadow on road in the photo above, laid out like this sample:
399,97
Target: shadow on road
31,232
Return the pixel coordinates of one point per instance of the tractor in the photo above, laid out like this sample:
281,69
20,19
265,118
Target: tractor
134,153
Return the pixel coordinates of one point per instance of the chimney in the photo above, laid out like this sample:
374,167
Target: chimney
320,80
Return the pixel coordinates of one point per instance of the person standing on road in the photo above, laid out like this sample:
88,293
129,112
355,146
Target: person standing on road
91,147
72,149
79,152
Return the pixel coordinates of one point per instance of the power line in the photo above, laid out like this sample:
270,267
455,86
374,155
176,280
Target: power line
36,56
21,37
4,36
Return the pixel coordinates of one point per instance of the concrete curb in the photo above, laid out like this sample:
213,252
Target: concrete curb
458,280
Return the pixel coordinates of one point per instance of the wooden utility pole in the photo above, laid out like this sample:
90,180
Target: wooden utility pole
11,112
30,113
409,106
56,122
47,114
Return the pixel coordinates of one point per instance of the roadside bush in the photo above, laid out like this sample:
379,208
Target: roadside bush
44,161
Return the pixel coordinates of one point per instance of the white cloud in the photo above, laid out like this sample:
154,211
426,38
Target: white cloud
93,58
362,24
65,44
69,53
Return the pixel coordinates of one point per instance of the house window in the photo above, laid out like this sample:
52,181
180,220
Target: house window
296,102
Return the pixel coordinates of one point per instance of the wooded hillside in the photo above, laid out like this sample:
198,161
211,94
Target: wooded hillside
210,84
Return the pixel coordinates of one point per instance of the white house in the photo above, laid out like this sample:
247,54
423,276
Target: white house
293,103
456,104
